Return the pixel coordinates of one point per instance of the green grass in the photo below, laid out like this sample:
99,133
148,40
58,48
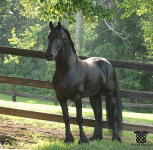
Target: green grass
43,143
26,100
131,117
96,145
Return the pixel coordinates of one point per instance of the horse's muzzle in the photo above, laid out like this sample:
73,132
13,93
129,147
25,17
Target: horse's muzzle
49,57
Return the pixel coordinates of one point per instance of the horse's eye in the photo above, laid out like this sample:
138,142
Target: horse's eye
63,37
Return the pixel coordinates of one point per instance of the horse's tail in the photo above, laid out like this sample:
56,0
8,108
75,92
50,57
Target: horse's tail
117,117
118,102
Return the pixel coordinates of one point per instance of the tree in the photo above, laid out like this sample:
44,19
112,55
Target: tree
64,9
115,38
79,33
20,31
144,9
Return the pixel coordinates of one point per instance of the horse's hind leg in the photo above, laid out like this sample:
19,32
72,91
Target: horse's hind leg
96,104
69,137
111,107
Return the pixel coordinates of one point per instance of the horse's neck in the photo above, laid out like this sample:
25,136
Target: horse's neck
66,59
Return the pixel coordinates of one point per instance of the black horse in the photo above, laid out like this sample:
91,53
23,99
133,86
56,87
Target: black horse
75,79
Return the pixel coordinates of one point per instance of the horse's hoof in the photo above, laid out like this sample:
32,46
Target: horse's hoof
93,138
69,139
116,138
83,140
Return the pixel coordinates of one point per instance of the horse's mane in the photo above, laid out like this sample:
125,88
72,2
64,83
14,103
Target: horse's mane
71,42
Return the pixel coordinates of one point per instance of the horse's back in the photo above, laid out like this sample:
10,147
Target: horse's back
102,63
102,67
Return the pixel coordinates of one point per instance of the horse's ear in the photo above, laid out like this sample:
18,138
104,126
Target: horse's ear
59,25
51,25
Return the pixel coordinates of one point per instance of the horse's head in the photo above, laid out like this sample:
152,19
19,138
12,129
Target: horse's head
57,38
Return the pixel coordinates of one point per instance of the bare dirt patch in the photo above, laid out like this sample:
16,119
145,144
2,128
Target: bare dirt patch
21,135
13,135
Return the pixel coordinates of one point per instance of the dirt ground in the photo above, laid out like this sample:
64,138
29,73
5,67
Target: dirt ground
21,135
14,135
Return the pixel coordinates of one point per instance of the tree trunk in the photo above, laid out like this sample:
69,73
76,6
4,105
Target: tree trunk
14,93
79,36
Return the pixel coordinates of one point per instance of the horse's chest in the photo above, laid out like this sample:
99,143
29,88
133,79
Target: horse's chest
67,85
64,85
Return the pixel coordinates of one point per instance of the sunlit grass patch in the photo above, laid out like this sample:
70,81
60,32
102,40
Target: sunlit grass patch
26,100
51,145
96,145
132,117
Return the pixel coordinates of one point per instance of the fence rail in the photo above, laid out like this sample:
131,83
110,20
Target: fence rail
27,95
41,55
47,84
26,82
11,93
59,118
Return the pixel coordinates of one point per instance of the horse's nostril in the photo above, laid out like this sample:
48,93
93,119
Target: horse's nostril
48,56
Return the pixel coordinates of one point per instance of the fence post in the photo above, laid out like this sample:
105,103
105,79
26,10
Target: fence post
14,92
56,101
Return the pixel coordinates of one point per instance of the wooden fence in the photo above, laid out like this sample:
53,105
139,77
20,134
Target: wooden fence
46,84
14,95
124,94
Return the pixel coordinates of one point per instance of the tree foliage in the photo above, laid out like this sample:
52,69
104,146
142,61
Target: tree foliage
24,24
144,9
64,9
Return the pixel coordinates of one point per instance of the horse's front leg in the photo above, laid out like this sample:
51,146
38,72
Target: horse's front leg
69,137
79,117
